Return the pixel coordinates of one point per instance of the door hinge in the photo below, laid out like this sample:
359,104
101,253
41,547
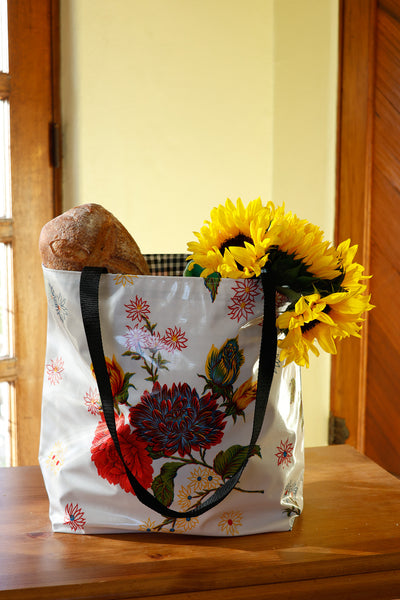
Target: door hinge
338,431
55,145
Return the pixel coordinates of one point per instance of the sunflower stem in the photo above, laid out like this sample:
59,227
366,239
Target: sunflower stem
191,461
289,293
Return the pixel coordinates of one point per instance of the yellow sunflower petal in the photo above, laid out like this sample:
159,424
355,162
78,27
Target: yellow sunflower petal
232,223
324,334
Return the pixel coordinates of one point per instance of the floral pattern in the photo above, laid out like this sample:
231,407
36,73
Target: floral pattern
246,289
74,517
119,381
223,367
186,524
243,300
123,279
137,309
230,522
55,458
174,339
203,479
185,497
243,396
285,453
147,526
241,309
290,501
59,304
54,370
92,401
171,434
180,428
177,420
144,343
136,339
108,463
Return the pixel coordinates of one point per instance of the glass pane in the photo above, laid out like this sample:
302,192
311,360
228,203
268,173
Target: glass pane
6,337
5,160
3,37
5,435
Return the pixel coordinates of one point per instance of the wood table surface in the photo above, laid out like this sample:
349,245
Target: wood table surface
346,544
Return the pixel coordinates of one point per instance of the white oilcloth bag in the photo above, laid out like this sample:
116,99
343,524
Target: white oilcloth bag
160,411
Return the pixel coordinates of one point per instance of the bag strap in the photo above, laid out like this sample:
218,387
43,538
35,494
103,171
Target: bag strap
89,299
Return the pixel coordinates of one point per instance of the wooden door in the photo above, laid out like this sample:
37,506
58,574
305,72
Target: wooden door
29,99
366,375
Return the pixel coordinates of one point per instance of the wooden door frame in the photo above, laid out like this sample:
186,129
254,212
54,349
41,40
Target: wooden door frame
36,198
357,34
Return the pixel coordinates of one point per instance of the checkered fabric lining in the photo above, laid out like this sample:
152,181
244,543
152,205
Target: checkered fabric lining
166,264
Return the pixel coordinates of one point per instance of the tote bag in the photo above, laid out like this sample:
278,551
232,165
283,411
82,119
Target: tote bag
165,407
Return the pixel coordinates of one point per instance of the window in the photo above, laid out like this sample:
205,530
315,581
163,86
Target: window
29,197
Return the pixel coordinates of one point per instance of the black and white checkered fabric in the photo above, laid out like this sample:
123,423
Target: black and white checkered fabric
166,264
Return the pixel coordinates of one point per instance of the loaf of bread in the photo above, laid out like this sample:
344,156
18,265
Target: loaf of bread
89,235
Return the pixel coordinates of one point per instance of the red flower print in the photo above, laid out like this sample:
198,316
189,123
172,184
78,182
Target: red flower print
175,339
74,517
54,370
137,309
108,463
280,301
92,401
177,419
240,308
285,453
247,289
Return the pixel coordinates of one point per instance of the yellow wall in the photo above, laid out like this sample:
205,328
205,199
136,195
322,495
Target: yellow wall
305,93
170,107
168,110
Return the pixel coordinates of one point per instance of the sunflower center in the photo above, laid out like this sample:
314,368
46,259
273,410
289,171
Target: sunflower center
238,240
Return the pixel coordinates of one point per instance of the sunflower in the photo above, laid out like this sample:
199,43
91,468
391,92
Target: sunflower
305,242
353,272
323,284
235,242
322,319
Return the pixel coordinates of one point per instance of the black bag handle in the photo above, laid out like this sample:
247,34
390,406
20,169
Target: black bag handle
89,299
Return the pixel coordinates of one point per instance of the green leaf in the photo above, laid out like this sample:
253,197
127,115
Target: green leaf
153,454
227,462
123,395
192,270
127,383
133,355
212,282
163,484
161,362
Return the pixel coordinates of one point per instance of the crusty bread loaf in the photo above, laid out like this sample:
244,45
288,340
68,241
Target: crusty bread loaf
89,235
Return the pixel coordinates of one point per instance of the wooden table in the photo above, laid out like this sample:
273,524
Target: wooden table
345,545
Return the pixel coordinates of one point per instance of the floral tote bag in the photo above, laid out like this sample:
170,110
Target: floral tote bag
165,407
